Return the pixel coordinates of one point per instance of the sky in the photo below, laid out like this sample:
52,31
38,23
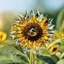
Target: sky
22,5
13,5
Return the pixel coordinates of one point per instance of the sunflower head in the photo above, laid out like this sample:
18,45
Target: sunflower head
32,30
2,36
54,49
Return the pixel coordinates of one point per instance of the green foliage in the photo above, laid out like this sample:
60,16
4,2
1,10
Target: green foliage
55,58
61,61
9,54
60,19
46,59
19,48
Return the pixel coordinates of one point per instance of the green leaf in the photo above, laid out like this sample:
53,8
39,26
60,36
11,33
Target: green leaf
46,59
22,57
63,57
28,54
8,58
61,61
19,48
10,54
55,58
60,19
62,48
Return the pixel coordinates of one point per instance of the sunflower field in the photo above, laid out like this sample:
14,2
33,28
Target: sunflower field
35,36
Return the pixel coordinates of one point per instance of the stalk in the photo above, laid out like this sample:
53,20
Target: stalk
32,58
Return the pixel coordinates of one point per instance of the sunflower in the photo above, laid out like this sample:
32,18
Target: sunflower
54,49
32,30
2,36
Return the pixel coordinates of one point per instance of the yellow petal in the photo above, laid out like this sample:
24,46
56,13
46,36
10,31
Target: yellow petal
19,28
13,28
25,22
38,18
13,37
34,46
43,20
29,44
47,44
45,37
33,19
39,44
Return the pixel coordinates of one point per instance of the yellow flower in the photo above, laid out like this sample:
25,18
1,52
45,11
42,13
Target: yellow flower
2,36
60,32
54,49
59,35
32,30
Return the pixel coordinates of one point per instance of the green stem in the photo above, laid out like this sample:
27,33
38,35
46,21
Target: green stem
32,58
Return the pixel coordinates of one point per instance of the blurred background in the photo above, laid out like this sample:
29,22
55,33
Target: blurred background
9,10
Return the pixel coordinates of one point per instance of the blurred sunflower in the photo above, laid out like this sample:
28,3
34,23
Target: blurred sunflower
59,35
54,49
32,30
2,36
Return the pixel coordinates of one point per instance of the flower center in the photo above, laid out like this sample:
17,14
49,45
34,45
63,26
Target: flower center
54,49
1,36
32,31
